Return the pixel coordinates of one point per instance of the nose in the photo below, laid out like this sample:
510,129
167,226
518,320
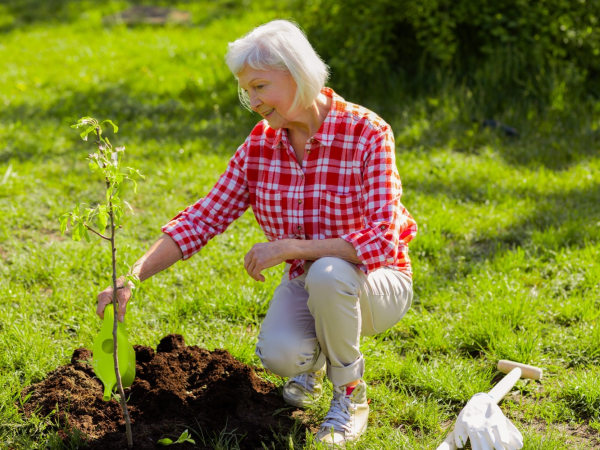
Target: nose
254,101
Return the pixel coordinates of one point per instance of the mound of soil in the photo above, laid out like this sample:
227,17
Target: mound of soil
176,387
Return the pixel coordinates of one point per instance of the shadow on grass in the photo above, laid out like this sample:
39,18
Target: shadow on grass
213,115
559,220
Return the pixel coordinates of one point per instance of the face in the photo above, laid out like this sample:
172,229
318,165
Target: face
271,94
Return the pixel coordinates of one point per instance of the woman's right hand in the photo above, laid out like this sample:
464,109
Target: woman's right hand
123,295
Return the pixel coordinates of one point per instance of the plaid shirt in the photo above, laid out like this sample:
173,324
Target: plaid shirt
347,187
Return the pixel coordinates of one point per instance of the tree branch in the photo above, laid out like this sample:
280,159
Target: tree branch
94,231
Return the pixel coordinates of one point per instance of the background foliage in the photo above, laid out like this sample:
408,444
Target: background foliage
517,47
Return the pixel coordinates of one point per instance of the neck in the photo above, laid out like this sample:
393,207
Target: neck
308,122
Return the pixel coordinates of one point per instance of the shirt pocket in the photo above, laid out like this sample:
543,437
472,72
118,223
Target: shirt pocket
339,214
269,213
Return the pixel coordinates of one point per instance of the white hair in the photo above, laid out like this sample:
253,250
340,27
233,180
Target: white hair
280,45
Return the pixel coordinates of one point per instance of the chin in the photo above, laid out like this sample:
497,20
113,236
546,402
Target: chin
274,125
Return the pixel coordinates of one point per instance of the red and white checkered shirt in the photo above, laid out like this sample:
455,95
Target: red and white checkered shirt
347,187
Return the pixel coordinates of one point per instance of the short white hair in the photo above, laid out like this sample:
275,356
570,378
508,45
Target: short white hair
280,45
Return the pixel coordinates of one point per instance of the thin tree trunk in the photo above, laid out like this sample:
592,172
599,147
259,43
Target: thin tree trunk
115,324
115,315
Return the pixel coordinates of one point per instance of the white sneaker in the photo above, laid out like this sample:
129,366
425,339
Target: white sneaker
347,416
305,389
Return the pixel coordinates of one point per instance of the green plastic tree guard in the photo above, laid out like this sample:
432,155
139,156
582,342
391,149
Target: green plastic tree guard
104,365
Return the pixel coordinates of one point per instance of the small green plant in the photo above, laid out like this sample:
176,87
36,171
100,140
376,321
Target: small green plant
185,437
96,219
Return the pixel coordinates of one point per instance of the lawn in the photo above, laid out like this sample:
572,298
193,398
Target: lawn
506,262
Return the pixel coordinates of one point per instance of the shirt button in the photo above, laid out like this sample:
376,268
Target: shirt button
311,140
299,228
299,202
383,227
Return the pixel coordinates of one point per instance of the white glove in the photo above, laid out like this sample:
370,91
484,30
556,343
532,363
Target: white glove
482,421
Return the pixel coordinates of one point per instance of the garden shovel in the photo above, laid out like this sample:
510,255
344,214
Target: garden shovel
514,371
104,364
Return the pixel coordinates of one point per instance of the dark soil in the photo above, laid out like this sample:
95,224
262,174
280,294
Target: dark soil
175,388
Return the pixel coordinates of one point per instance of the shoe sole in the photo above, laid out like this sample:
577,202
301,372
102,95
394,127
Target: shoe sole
342,444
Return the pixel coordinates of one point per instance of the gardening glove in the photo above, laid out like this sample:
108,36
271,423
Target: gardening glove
482,421
123,295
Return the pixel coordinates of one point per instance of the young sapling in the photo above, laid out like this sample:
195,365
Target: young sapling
108,214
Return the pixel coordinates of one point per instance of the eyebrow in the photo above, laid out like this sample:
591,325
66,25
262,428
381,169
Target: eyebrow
251,81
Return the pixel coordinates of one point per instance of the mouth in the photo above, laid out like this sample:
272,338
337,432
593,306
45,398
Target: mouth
266,114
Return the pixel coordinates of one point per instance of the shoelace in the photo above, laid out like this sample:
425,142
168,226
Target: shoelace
306,380
339,413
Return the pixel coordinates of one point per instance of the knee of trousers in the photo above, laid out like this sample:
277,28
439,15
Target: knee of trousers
286,355
330,280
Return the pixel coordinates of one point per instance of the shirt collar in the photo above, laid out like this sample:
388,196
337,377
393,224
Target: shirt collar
328,129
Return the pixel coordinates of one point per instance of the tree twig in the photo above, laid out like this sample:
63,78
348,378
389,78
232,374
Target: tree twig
94,231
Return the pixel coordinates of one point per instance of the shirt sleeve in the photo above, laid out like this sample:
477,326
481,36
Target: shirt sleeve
227,200
388,225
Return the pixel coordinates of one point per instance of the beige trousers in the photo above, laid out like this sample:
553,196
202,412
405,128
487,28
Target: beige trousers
319,317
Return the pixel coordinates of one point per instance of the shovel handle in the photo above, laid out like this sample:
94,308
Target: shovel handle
505,385
531,372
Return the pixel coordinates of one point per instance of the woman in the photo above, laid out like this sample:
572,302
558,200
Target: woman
320,176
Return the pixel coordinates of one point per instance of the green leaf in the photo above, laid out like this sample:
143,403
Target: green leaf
86,234
137,172
165,441
136,283
86,132
64,221
89,214
84,121
102,217
115,128
77,232
117,213
129,206
185,437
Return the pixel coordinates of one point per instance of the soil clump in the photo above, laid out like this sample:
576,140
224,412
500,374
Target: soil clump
175,388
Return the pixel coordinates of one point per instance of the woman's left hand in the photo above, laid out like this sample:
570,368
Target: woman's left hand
264,255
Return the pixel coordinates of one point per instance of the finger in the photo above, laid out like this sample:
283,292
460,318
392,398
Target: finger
257,275
515,438
249,257
256,272
122,309
246,261
250,269
104,298
498,435
484,441
460,436
475,442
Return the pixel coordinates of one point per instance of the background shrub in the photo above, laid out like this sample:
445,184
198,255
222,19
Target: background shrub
539,50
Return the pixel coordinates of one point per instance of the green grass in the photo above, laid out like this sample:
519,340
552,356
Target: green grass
506,259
